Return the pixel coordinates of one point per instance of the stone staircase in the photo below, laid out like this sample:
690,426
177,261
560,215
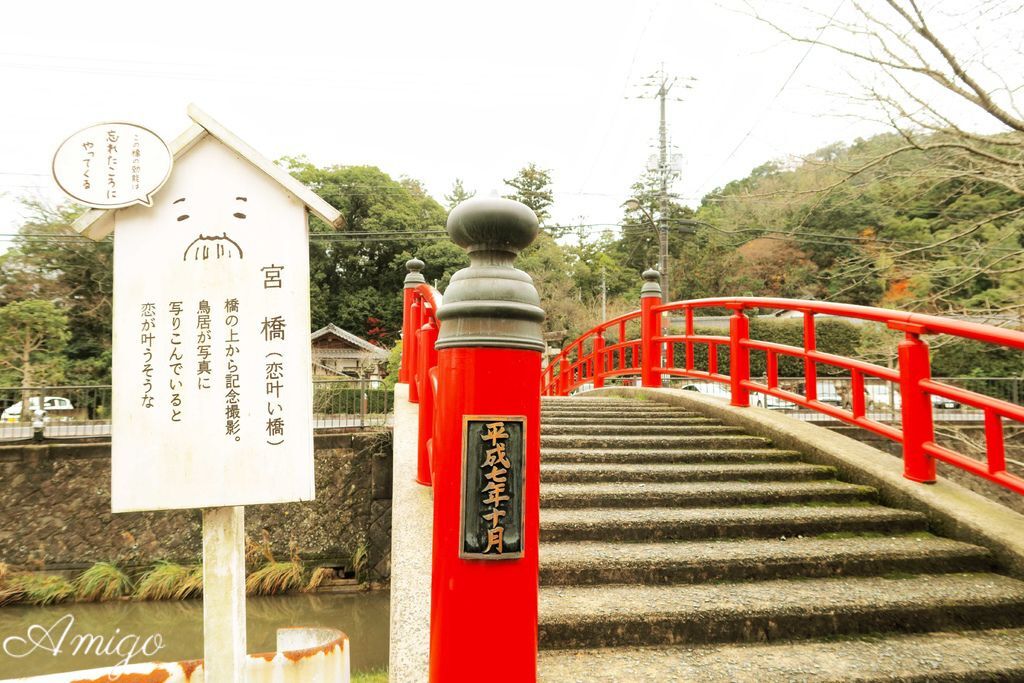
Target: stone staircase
676,548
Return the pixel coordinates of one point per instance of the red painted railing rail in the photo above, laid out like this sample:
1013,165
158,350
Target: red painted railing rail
419,360
639,348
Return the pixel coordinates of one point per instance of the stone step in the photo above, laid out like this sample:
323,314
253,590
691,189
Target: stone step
626,419
767,471
591,406
590,401
638,430
627,615
699,494
678,455
591,562
663,524
653,413
967,656
605,441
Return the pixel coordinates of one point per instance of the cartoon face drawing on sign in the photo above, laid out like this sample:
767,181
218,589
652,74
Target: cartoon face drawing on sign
211,247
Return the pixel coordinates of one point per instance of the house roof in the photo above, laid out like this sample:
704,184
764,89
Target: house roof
98,223
331,328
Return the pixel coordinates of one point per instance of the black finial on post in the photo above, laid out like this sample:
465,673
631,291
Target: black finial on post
491,303
652,284
415,277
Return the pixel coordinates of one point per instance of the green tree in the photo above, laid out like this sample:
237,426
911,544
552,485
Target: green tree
50,262
356,273
532,187
33,334
458,194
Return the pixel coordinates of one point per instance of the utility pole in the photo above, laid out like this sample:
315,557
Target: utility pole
662,84
604,295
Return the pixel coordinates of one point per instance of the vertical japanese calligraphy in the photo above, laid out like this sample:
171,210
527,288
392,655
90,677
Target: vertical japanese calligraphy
493,476
112,154
174,364
87,157
136,169
112,165
273,329
204,341
232,378
146,339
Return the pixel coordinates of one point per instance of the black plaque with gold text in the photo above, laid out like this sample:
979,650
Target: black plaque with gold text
493,477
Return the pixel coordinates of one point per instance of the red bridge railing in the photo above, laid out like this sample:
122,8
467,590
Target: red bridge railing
419,359
640,348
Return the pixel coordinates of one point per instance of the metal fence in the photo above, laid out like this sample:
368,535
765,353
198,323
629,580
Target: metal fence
61,412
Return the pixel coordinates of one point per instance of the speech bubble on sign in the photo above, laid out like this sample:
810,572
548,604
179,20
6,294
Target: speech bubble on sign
112,165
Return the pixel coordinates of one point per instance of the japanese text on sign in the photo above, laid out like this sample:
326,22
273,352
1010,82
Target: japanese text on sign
493,478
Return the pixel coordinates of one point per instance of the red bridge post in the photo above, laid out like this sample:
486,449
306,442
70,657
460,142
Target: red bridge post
598,352
483,612
739,358
415,315
427,359
650,327
412,279
916,407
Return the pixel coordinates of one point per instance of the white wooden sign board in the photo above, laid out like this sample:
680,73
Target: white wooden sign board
212,398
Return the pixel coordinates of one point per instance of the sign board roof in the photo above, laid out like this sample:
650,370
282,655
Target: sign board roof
97,223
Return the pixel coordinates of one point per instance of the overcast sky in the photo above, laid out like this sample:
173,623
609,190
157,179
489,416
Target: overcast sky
430,90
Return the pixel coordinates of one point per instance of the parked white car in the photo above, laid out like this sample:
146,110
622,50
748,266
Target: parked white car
55,407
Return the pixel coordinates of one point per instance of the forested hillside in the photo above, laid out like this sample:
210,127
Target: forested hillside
870,223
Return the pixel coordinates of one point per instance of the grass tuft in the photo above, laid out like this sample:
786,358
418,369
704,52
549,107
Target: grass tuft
377,676
275,577
39,589
319,576
169,581
360,562
101,582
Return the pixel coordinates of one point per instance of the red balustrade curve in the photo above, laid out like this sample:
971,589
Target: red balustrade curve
592,358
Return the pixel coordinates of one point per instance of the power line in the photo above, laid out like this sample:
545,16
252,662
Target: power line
771,102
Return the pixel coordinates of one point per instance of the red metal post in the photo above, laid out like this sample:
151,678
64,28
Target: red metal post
739,358
810,367
413,351
426,361
916,407
489,366
650,327
598,352
412,280
564,376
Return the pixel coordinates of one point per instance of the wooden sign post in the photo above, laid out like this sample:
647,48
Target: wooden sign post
212,394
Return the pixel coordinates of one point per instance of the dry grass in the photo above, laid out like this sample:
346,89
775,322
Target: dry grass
169,581
39,589
100,582
8,595
275,577
257,551
360,561
319,576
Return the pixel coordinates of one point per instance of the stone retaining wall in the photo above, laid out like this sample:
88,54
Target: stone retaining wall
55,510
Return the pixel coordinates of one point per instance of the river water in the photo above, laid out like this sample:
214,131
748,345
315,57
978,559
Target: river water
362,616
